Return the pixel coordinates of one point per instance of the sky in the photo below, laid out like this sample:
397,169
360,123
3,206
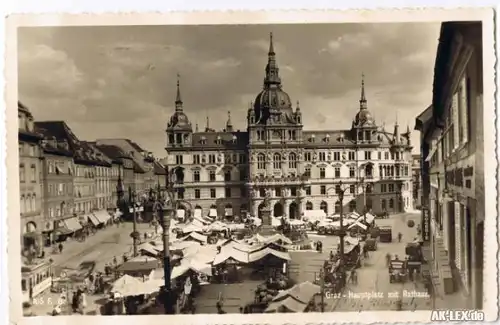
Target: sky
120,81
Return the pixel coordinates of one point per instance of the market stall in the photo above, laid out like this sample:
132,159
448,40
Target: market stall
298,299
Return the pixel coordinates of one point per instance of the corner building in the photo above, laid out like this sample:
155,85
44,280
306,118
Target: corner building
231,171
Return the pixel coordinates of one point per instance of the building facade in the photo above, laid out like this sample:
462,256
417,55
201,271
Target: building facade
57,183
30,180
416,176
232,171
455,161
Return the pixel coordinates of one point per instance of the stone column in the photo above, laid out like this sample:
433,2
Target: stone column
286,206
255,208
301,206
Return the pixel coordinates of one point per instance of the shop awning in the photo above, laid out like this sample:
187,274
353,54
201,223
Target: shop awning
212,213
72,224
94,220
228,212
62,231
102,216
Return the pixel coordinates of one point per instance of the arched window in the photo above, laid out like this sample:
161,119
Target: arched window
309,206
261,161
277,161
337,207
391,204
384,204
369,170
352,206
292,160
369,188
324,206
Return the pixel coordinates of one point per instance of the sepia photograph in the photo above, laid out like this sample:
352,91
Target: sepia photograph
278,167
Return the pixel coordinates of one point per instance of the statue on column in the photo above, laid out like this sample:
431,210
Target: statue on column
267,198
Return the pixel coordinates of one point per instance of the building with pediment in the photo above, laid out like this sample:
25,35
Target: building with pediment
231,171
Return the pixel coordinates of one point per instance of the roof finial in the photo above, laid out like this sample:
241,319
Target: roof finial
298,105
397,112
208,122
271,45
362,100
196,127
178,99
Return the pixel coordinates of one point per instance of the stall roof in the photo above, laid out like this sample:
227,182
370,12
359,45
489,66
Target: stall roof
272,239
140,263
123,282
258,255
230,253
196,236
302,292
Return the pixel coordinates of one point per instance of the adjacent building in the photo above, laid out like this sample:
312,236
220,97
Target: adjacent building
416,176
453,169
116,183
58,185
30,181
231,171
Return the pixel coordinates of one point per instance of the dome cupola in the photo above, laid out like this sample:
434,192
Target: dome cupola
363,117
179,119
272,100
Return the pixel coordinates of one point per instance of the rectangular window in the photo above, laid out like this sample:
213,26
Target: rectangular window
293,191
322,156
179,160
336,156
242,158
211,159
323,189
322,172
277,191
379,155
352,189
307,156
212,175
196,176
368,155
212,193
307,172
352,155
352,172
391,188
386,155
22,173
308,190
227,176
383,188
337,171
180,193
33,174
338,189
196,159
455,122
227,192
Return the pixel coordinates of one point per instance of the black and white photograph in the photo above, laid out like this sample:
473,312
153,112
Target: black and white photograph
278,167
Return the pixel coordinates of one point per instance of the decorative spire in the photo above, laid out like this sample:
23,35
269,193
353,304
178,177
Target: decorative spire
362,100
208,124
396,130
196,127
229,124
178,99
272,72
298,106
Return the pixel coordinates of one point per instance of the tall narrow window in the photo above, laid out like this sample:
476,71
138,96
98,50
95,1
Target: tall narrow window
277,161
292,160
261,161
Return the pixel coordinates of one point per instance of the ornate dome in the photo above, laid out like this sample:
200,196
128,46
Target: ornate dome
364,117
273,100
179,120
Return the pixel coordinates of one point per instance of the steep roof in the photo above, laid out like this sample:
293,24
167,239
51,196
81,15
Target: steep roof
221,140
135,145
60,131
50,145
113,152
159,169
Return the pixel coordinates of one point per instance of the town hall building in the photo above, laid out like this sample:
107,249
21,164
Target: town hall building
230,172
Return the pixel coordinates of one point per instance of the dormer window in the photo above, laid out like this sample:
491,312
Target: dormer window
234,139
313,137
203,140
327,138
218,140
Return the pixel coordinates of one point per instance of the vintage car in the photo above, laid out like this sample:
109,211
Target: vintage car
385,234
397,271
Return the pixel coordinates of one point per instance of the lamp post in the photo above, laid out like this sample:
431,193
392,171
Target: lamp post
164,210
134,234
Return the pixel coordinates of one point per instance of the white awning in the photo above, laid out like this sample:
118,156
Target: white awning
72,224
94,220
212,213
228,212
197,213
102,216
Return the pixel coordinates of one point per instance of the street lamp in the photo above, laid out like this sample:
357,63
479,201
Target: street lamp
134,234
165,210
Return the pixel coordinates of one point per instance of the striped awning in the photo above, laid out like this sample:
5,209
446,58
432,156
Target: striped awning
94,220
72,224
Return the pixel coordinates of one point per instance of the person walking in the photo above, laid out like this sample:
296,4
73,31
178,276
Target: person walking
60,246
